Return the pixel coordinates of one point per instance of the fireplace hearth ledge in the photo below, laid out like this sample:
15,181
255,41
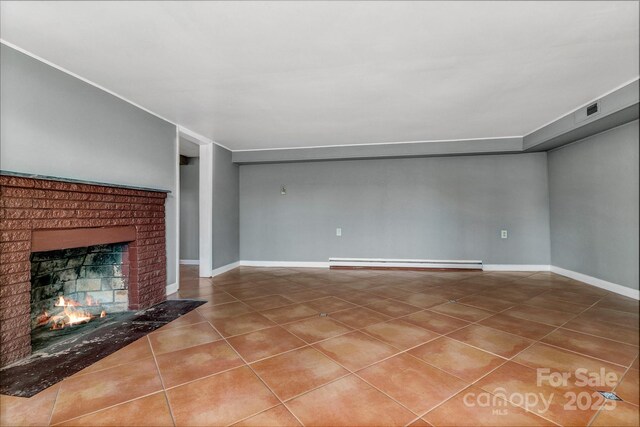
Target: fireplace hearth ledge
79,181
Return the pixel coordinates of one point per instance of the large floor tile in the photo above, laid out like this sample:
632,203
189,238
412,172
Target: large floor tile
359,297
290,313
629,387
221,311
491,340
329,304
514,296
623,414
268,302
308,295
461,311
475,407
563,361
415,384
573,297
446,293
421,299
317,329
435,322
600,348
191,363
149,411
359,317
264,343
242,324
486,303
253,292
278,416
551,303
188,319
293,373
388,291
183,337
552,401
348,402
137,350
393,308
91,392
627,335
355,350
413,286
540,315
400,334
456,358
33,411
524,328
221,399
620,303
615,317
206,293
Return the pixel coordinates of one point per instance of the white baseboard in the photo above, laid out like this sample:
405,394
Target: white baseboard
603,284
515,267
172,288
190,261
295,264
224,268
403,263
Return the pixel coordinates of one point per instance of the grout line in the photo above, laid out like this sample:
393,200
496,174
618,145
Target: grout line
254,415
53,406
261,380
109,407
164,389
584,354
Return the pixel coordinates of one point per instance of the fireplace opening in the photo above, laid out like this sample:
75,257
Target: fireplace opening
73,288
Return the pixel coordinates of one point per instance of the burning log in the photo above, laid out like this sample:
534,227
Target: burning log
72,313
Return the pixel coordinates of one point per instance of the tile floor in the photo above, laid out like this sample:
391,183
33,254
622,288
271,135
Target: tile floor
395,348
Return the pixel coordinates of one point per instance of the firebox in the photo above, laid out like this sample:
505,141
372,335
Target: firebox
74,286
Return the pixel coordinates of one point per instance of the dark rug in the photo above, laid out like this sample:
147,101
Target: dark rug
54,359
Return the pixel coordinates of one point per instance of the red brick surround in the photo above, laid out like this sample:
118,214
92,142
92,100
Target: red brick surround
28,204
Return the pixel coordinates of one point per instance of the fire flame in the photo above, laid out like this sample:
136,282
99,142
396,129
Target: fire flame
72,313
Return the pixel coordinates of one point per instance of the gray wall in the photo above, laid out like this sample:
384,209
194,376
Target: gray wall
428,208
594,206
189,210
54,124
226,226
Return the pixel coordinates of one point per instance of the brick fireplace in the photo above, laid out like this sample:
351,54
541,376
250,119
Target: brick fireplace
41,215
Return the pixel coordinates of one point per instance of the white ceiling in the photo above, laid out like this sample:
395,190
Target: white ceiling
297,74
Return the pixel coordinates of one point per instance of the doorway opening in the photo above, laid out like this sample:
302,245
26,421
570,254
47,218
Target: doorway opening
189,245
195,198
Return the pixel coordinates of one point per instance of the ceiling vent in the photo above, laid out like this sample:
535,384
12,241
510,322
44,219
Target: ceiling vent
589,112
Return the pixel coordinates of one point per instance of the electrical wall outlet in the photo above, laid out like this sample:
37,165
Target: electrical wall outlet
338,231
503,234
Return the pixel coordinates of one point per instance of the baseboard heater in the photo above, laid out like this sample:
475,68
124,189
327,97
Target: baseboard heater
408,264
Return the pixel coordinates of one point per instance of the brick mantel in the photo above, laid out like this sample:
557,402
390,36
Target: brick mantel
32,204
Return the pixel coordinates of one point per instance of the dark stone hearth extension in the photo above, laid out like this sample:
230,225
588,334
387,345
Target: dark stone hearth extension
29,205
